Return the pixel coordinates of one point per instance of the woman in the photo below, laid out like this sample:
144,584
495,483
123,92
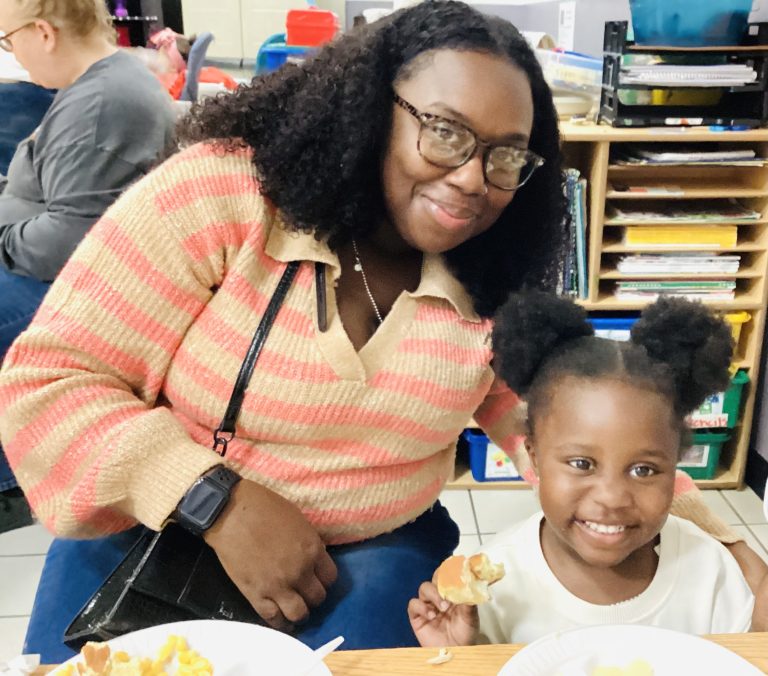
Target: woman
417,162
103,130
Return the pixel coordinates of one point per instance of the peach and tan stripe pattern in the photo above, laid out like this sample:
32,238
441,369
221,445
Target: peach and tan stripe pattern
109,399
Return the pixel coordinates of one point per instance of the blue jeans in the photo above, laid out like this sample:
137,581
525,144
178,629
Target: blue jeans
367,604
19,299
22,106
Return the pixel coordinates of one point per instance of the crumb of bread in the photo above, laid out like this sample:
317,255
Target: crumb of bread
442,657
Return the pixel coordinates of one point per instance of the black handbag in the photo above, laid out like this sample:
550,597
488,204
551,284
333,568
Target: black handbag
173,575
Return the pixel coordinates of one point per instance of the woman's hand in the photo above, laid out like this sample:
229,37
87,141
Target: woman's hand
438,623
752,566
272,553
760,613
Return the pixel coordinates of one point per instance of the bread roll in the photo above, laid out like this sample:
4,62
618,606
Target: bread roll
465,580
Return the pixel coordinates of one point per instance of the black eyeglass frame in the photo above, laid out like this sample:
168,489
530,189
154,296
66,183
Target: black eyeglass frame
425,119
5,44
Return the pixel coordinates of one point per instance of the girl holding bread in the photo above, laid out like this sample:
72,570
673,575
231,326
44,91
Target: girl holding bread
606,425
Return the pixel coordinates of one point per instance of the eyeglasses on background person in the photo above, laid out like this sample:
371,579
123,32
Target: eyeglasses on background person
5,43
450,144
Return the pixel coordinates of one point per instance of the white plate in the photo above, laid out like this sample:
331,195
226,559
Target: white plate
233,648
670,653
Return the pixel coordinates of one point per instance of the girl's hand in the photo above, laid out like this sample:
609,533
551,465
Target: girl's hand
272,553
438,623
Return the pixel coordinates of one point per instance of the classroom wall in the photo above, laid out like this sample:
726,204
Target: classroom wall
241,26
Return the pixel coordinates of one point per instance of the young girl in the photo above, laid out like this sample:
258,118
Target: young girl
606,427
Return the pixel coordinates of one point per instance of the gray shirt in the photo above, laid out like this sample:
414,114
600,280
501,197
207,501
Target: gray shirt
99,135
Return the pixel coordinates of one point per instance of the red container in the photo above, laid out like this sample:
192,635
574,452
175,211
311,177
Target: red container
310,27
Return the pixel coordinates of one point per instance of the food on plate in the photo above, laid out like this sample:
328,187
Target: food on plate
581,667
634,668
462,579
174,658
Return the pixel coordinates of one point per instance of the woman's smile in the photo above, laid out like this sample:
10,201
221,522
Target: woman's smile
451,216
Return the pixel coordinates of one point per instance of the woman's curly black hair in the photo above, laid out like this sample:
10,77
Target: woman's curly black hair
319,131
677,348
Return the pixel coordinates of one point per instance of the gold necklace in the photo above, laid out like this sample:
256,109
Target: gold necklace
359,268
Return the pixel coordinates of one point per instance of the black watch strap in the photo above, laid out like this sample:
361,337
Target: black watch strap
204,501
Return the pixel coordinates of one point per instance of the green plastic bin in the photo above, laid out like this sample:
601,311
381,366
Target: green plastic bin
721,409
700,460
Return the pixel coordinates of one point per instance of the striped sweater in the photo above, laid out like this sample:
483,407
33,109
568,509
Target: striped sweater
109,399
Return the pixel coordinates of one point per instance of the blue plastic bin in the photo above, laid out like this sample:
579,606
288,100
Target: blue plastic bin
689,23
615,328
487,461
273,53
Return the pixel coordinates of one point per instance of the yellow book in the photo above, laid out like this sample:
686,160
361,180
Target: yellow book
684,236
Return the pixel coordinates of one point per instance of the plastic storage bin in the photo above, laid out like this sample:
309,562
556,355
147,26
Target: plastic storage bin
721,409
701,459
615,328
686,23
273,53
487,461
569,70
310,27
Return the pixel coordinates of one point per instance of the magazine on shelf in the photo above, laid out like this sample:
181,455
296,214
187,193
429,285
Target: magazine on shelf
689,212
696,154
681,236
679,263
691,289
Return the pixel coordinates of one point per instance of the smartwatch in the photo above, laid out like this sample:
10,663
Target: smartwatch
203,502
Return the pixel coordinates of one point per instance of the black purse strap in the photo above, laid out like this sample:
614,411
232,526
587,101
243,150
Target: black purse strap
225,432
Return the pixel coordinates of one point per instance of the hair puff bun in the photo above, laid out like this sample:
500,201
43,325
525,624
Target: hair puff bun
529,327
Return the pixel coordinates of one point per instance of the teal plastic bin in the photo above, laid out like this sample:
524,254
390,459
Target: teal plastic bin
701,459
721,409
689,23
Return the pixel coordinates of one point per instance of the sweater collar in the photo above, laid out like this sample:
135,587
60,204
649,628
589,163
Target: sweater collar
285,244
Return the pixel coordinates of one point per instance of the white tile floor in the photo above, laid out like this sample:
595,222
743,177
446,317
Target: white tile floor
478,513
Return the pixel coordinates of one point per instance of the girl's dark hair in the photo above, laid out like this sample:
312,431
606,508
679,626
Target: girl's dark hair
319,130
678,348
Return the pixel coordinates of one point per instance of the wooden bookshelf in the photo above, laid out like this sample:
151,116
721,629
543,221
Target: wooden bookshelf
587,147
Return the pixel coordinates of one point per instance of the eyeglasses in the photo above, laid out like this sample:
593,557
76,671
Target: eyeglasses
5,43
450,144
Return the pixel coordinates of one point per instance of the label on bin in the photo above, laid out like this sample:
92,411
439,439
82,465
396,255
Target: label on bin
498,464
710,413
695,456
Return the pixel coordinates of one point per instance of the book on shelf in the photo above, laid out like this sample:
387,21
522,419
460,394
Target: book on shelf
574,271
681,236
693,211
691,289
679,263
580,199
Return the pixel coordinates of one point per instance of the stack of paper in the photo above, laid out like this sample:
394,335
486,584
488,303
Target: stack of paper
693,290
724,75
695,263
681,236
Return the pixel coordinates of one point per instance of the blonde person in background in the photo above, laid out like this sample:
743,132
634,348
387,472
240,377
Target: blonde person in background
103,131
